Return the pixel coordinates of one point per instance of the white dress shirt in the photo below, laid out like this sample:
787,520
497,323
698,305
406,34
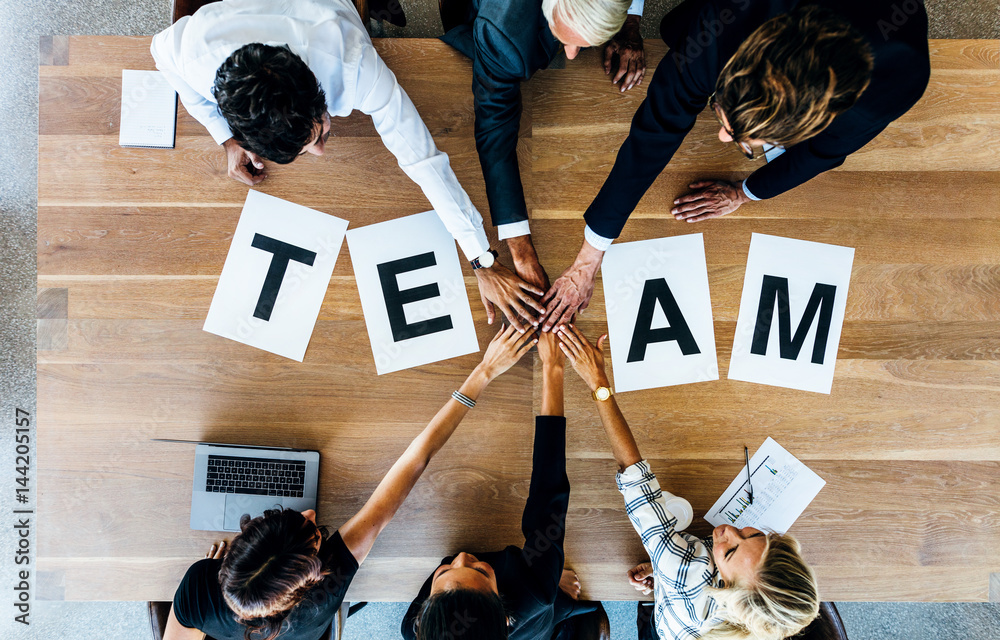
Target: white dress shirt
329,37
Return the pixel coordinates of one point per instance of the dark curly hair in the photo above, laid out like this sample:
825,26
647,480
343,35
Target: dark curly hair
269,568
462,614
793,76
270,99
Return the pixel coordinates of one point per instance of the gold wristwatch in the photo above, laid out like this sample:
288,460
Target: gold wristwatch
602,393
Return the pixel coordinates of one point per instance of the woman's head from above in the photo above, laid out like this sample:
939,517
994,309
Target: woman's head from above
768,592
271,565
584,23
791,78
464,603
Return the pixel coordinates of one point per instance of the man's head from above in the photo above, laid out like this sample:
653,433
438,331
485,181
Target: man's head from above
272,102
463,603
791,78
271,565
769,592
584,23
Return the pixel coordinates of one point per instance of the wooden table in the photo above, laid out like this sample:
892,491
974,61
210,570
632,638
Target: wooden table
131,243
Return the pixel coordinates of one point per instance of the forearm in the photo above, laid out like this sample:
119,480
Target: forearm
522,249
588,260
360,532
176,631
552,389
619,434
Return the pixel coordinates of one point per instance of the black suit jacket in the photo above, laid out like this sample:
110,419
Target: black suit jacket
703,35
508,41
528,576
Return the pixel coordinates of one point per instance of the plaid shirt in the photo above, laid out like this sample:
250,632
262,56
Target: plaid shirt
682,563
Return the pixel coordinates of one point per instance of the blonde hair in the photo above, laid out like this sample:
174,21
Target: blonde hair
596,21
780,601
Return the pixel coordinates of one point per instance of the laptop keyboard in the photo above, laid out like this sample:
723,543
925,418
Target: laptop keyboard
256,476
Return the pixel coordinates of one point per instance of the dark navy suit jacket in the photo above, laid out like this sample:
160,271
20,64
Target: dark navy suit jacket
703,35
508,41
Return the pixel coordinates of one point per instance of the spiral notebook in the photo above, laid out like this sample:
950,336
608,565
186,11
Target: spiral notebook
149,110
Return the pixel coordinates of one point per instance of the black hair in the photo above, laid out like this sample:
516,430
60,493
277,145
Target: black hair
270,99
269,568
462,614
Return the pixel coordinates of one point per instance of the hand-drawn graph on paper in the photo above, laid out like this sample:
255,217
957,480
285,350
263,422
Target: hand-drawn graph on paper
782,488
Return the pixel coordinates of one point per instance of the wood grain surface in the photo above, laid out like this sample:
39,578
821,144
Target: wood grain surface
908,441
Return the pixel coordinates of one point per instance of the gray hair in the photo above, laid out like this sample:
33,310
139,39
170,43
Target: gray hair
597,21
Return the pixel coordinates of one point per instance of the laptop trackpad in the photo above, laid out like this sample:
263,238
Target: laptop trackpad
239,504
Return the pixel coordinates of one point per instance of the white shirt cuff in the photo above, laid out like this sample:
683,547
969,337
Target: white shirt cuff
598,242
772,151
474,244
747,192
635,9
513,230
219,129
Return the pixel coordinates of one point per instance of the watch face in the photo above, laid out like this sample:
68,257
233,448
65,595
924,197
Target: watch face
603,393
486,260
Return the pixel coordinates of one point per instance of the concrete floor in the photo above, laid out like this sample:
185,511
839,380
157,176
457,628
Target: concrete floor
21,23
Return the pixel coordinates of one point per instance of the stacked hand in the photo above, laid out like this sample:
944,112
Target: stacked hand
516,299
549,350
572,291
587,359
641,577
504,350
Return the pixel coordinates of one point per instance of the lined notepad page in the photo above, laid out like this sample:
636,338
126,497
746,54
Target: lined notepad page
149,110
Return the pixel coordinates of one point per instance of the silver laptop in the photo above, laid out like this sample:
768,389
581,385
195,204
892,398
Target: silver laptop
231,480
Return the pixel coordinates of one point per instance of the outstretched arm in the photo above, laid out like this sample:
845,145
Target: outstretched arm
553,365
588,361
360,532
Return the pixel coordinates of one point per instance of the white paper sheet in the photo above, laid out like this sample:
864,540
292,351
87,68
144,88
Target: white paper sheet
813,273
437,323
632,268
782,489
289,327
149,110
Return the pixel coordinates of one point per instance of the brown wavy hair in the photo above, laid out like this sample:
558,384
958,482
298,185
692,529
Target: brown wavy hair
269,568
793,76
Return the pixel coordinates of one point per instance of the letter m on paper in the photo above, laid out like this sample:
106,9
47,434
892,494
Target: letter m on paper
774,293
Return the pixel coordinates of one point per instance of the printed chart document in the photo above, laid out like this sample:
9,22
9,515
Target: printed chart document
149,110
782,489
